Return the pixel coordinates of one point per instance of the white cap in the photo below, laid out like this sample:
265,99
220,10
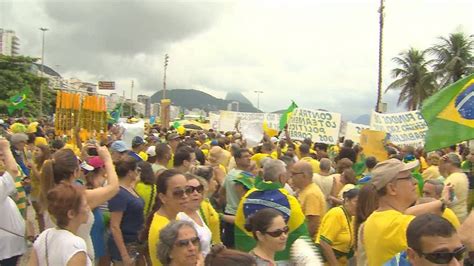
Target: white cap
151,151
274,139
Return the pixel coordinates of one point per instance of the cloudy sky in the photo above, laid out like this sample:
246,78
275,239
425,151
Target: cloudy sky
322,54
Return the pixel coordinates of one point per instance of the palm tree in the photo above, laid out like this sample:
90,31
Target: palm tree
413,78
454,58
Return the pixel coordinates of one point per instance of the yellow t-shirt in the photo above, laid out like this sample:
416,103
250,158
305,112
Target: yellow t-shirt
148,194
143,155
423,164
158,223
431,172
314,164
449,215
257,157
170,162
312,201
461,188
337,230
385,235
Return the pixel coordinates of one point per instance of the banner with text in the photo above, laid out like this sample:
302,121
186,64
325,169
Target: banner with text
406,128
319,126
214,120
250,124
354,130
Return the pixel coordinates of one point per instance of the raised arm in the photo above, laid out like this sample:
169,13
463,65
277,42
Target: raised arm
98,196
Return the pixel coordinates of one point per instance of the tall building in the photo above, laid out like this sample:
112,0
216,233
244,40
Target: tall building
146,101
9,43
155,109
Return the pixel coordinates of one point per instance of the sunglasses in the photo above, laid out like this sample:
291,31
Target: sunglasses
445,257
199,189
179,193
278,232
185,242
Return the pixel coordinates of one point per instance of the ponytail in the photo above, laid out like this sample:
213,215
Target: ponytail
367,203
47,182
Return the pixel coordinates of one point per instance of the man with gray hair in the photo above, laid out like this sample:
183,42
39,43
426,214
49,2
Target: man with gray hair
269,193
18,143
324,180
433,188
450,168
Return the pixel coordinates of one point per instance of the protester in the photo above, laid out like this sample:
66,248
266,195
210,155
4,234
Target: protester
60,245
118,149
173,195
220,255
163,156
310,196
347,151
191,212
450,168
146,186
367,203
126,214
12,232
432,240
432,172
348,179
384,230
306,157
269,229
138,148
184,159
270,191
64,167
179,245
335,235
41,153
229,195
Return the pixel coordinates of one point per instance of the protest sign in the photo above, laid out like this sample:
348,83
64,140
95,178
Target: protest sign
353,131
406,128
214,120
229,119
319,126
373,144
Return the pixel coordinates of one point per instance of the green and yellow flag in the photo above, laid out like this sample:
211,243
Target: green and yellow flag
180,128
17,101
450,115
285,117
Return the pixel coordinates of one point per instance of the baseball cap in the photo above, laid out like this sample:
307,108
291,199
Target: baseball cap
151,151
137,140
172,136
386,171
86,166
95,162
119,146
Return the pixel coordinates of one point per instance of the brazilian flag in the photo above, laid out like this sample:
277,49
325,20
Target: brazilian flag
17,101
114,115
285,117
269,195
450,115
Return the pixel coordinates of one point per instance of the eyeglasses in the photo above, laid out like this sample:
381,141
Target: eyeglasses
445,257
179,193
278,232
199,189
185,242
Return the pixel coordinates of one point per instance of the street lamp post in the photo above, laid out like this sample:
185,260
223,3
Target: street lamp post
164,75
378,106
165,103
42,69
258,98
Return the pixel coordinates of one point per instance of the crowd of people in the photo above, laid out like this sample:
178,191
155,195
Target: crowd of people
207,198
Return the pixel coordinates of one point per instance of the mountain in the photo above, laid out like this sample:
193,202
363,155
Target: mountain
237,96
197,99
363,119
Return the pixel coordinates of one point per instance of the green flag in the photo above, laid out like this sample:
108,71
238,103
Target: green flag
450,115
285,117
17,101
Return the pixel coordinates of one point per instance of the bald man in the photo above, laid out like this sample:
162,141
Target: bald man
310,196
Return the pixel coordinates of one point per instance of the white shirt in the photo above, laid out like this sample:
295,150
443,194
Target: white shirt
12,224
204,233
61,246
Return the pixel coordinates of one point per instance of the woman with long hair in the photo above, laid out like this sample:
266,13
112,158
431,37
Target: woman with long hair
270,230
64,167
41,153
126,214
336,233
61,245
172,198
367,203
146,187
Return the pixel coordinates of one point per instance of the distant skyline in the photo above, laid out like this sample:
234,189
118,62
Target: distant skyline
321,54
